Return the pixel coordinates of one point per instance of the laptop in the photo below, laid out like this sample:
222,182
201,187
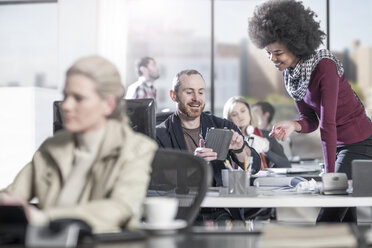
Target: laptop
13,224
362,177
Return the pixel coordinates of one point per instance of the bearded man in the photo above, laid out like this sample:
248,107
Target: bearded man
187,127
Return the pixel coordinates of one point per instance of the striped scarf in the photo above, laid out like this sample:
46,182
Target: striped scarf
297,80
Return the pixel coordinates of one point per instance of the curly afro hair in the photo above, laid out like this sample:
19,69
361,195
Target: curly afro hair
286,22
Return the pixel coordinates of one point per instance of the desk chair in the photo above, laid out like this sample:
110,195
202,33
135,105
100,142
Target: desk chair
140,112
182,175
162,116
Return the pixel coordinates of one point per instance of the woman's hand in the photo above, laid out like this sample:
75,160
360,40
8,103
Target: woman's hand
282,130
206,153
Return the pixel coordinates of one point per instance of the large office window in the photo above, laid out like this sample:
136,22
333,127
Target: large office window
241,68
176,34
28,81
29,44
351,41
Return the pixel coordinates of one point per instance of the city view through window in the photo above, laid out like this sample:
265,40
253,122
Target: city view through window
178,34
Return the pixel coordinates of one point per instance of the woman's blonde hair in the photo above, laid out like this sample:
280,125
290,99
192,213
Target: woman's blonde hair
106,77
227,109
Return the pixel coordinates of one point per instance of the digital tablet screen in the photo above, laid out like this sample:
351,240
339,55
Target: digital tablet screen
219,140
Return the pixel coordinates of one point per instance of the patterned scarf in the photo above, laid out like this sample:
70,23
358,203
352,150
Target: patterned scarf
297,80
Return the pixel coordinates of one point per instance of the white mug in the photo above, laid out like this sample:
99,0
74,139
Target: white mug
160,210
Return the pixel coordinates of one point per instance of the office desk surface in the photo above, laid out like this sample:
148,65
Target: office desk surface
205,240
266,198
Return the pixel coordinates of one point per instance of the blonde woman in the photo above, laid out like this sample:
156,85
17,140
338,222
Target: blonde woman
97,169
237,110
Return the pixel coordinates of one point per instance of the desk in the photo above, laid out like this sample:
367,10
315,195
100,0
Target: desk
205,240
258,198
189,240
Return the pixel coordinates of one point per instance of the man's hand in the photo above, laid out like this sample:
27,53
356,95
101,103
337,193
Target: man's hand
206,153
238,147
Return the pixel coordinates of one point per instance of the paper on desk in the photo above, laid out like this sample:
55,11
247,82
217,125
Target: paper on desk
293,170
262,173
278,181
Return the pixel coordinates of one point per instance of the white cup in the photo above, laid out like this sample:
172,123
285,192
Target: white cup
160,210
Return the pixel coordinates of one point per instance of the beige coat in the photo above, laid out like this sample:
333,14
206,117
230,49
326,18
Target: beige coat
116,185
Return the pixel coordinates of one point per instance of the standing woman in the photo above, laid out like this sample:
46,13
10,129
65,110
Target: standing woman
97,169
315,80
237,110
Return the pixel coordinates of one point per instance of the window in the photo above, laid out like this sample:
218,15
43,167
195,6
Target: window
29,57
351,41
176,34
29,45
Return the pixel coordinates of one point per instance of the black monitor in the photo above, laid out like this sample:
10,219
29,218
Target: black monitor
140,112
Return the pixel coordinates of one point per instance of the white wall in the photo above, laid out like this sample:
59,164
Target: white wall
26,120
92,27
77,32
85,27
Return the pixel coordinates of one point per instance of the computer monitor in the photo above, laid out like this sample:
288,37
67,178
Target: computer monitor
140,112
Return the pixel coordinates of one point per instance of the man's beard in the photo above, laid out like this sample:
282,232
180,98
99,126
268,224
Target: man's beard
186,110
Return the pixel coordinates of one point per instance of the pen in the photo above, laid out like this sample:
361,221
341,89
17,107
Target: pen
228,165
245,163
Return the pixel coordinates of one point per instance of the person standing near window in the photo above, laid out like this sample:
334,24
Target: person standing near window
315,79
144,87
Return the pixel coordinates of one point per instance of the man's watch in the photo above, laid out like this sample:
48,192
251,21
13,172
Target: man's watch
239,150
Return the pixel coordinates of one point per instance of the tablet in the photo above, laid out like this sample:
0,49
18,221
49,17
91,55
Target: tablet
219,140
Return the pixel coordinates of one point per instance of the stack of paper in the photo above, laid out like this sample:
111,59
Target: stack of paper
278,181
333,235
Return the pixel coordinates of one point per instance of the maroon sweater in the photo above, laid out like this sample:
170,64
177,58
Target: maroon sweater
330,100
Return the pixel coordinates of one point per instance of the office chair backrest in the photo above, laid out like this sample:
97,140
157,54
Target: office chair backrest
182,175
57,116
162,116
140,112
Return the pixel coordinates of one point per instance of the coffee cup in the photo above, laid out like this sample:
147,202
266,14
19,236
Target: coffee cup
160,211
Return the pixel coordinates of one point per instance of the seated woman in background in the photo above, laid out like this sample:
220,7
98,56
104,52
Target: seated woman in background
97,169
237,110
